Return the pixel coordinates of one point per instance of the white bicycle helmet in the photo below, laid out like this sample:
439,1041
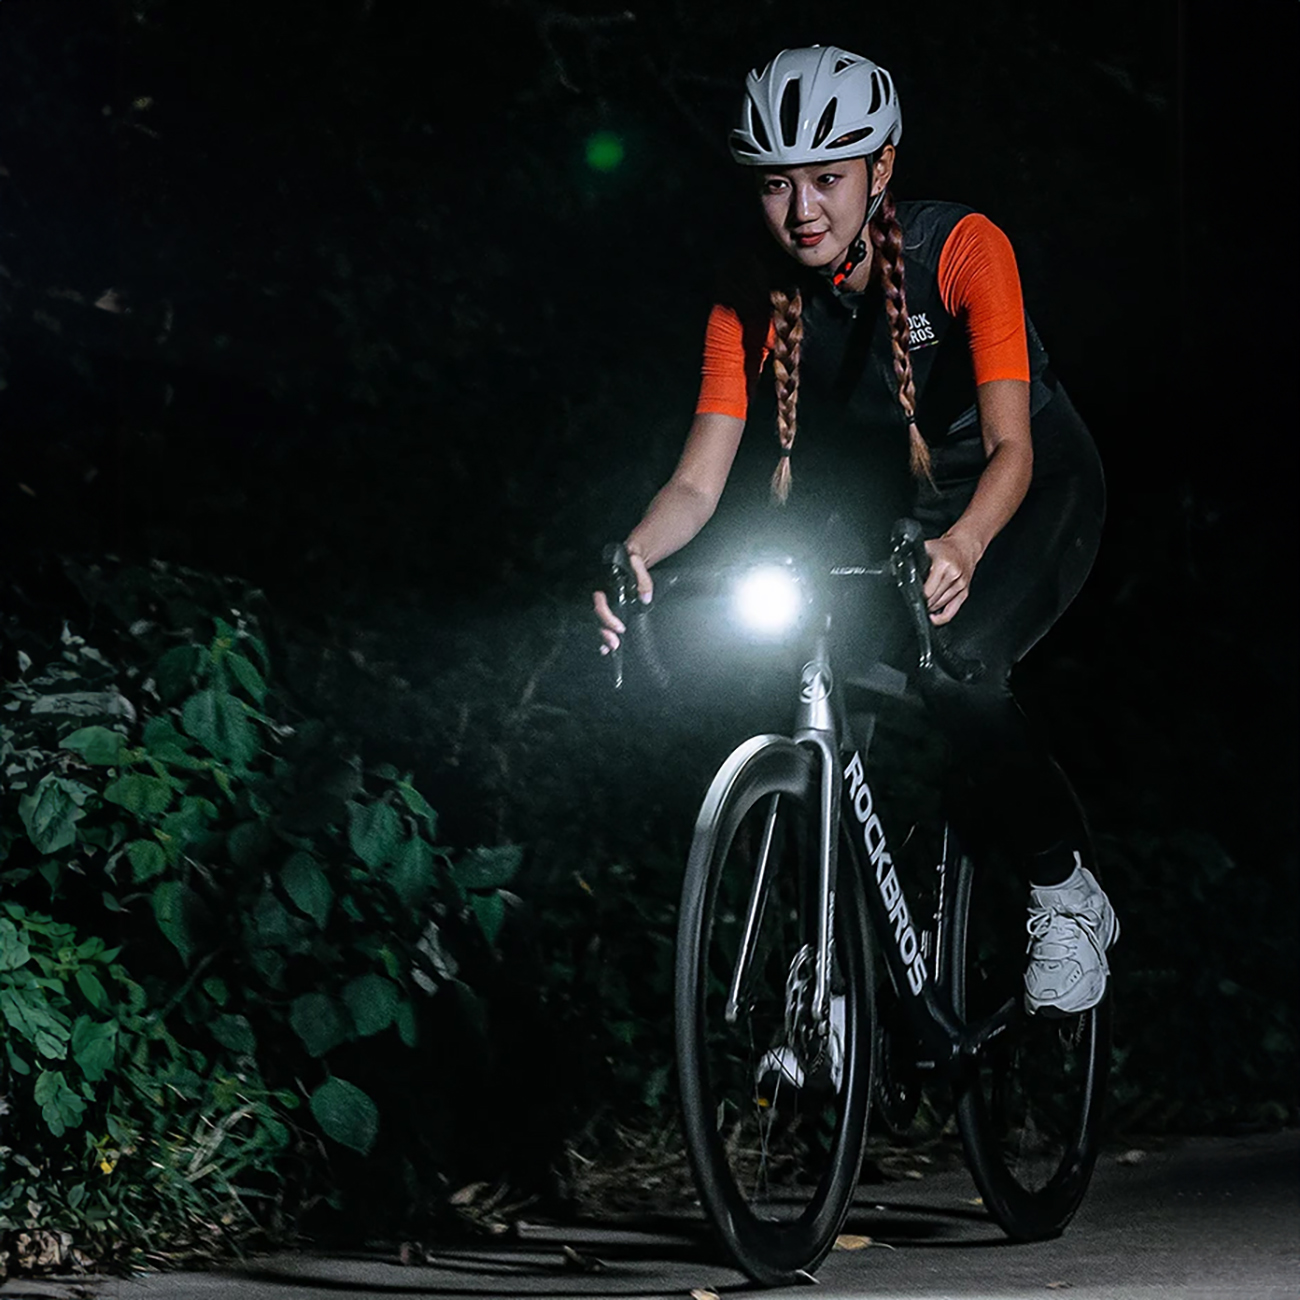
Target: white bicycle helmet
815,105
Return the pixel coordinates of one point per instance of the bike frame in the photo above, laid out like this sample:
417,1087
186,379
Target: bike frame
848,815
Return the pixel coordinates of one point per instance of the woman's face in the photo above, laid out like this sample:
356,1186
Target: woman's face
815,212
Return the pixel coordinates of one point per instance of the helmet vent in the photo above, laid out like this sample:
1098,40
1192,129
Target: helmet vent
824,126
756,128
852,137
876,96
790,112
841,64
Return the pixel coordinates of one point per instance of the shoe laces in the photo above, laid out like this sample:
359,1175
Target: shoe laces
1064,924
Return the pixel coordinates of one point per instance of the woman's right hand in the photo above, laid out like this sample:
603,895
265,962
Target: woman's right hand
611,625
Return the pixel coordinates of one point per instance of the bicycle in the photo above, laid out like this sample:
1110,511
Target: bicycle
790,904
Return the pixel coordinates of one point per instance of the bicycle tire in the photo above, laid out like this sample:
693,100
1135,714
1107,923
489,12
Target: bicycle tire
1030,1104
776,1178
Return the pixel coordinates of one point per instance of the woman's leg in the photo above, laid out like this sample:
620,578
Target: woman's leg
1030,573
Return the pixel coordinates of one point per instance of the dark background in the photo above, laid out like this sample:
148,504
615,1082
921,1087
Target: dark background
381,341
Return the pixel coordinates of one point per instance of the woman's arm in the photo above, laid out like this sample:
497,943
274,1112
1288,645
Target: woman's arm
1004,426
687,501
680,508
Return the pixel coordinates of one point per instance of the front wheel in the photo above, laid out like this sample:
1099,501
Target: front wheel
1030,1102
774,1105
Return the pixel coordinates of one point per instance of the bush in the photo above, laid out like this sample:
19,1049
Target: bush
317,943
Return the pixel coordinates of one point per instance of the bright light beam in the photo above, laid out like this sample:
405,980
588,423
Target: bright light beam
768,600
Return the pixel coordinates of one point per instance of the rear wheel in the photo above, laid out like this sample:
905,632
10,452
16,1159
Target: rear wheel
776,1164
1030,1104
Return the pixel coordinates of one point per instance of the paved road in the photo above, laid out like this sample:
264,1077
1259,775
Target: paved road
1202,1219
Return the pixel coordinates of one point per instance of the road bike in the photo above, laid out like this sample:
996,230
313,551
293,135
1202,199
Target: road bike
813,988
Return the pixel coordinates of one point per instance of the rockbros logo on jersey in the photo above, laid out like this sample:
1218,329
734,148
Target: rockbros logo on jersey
891,892
922,331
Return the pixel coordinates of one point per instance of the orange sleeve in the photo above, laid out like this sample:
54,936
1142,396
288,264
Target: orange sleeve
733,356
978,280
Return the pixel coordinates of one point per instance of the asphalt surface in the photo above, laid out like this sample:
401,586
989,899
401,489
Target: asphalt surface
1196,1219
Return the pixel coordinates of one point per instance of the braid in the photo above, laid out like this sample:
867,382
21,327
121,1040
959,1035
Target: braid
887,236
787,323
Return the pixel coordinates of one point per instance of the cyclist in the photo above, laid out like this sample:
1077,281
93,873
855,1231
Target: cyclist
901,324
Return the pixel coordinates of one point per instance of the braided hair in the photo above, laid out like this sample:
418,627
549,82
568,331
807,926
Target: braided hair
887,237
787,327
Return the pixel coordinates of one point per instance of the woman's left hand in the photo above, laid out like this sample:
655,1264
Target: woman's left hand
952,565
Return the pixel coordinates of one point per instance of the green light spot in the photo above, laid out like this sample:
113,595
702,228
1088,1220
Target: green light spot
604,151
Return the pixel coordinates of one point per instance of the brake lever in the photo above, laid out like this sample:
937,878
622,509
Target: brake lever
910,564
618,579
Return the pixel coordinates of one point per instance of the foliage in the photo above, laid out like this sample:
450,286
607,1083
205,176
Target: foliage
116,1133
312,923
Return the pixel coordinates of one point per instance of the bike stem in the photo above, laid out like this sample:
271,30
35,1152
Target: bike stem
815,726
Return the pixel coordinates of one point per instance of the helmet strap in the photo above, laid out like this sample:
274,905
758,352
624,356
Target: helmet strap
857,253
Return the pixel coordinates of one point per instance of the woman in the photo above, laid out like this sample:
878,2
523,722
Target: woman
904,323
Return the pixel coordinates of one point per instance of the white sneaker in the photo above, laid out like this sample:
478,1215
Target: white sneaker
1070,927
781,1067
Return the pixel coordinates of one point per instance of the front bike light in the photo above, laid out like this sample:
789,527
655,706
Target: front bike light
768,600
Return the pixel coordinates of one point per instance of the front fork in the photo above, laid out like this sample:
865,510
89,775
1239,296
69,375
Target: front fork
815,727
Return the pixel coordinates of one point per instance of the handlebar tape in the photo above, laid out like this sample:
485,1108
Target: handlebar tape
910,564
634,614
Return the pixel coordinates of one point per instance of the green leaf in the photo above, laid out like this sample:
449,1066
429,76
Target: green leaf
489,868
374,831
405,1017
14,949
346,1114
254,643
216,989
50,1045
189,822
411,874
471,1007
51,811
146,796
319,1022
147,859
274,925
94,1044
419,805
171,907
235,1033
60,1106
91,988
489,911
308,887
175,672
247,676
372,1000
97,745
219,722
160,734
655,1086
249,843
